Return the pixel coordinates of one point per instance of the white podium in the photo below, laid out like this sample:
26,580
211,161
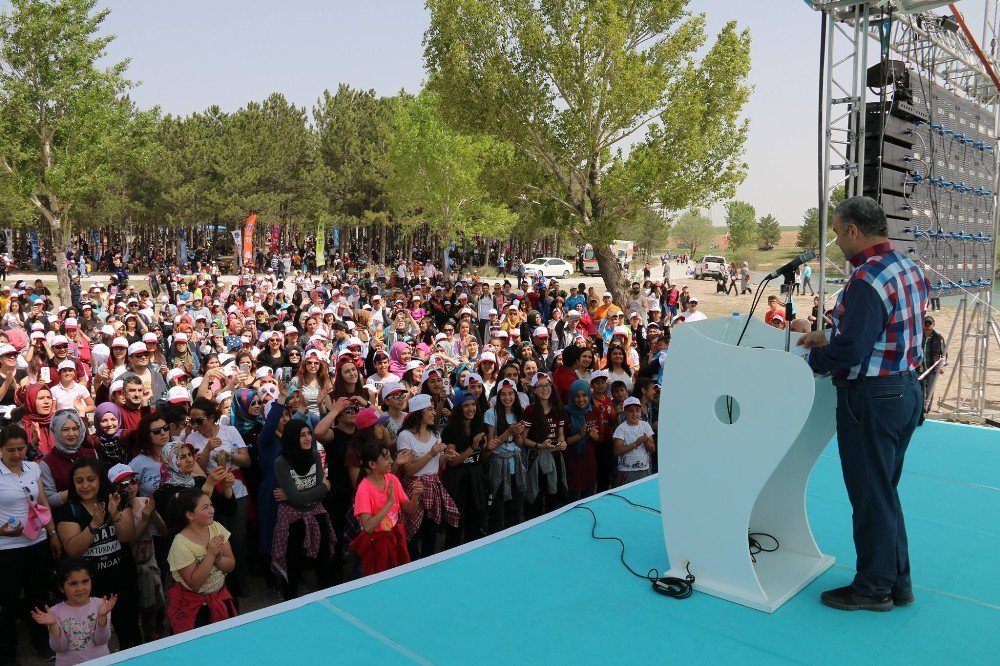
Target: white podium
720,481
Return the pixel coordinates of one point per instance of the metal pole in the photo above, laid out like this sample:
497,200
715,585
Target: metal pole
824,203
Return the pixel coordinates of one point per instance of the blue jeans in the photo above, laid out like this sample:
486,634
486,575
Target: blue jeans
876,417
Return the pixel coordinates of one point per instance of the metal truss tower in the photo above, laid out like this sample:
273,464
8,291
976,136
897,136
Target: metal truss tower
942,48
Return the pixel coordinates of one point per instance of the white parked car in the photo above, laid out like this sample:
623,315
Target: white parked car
549,267
711,267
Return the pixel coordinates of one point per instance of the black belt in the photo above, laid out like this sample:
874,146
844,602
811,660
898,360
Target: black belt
846,383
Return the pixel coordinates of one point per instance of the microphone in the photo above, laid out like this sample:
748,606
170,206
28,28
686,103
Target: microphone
792,265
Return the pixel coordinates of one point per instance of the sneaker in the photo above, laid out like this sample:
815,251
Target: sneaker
845,598
902,598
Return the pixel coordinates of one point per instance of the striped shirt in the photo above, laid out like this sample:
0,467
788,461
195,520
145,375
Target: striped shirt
877,320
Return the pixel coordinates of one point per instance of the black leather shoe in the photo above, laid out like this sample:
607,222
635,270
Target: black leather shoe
845,598
902,598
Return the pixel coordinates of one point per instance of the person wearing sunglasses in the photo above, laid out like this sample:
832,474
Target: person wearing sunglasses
9,374
223,446
153,383
151,436
152,602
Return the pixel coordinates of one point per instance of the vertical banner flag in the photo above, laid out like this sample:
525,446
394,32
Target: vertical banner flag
275,237
336,238
321,243
248,229
9,237
237,244
95,243
33,240
128,245
184,247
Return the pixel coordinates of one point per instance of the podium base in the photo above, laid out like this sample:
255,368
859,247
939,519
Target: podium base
783,574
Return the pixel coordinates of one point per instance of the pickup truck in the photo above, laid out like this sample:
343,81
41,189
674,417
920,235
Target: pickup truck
711,266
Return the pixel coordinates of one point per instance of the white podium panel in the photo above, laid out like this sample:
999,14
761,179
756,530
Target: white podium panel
721,480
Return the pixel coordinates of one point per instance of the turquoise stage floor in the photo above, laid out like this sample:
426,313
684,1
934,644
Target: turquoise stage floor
549,594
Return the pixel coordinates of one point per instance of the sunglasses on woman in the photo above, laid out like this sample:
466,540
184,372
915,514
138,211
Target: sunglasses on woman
198,420
159,431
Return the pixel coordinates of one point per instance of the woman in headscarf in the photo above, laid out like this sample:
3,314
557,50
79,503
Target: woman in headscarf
278,412
106,439
581,440
68,432
399,355
303,529
246,414
180,471
38,406
182,356
293,358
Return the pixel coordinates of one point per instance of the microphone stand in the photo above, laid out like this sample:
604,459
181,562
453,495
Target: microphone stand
789,307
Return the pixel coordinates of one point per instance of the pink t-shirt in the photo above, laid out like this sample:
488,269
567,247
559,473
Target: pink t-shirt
370,500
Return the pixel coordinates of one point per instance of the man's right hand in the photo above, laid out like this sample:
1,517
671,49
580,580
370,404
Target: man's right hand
812,340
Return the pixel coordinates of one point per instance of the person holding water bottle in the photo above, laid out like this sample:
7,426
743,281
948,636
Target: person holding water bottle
26,551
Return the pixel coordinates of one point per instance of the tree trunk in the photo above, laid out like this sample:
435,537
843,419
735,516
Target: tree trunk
60,236
383,237
615,280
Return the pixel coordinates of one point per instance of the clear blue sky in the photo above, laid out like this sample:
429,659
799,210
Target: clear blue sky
189,54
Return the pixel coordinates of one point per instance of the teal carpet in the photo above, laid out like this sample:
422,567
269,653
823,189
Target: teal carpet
552,595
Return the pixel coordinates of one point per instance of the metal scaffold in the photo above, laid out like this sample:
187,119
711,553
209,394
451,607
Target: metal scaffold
940,46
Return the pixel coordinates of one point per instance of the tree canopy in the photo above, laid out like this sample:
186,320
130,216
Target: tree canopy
67,129
608,101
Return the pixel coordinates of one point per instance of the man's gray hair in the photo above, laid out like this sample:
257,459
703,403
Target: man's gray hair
129,378
865,214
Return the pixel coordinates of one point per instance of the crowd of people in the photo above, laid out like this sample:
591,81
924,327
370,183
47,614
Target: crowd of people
160,450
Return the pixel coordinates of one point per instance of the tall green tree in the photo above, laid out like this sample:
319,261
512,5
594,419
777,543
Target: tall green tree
435,175
808,236
266,156
608,99
192,182
768,232
693,229
352,130
741,220
66,125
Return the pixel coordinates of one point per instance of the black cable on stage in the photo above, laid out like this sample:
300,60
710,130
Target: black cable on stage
756,547
638,506
669,586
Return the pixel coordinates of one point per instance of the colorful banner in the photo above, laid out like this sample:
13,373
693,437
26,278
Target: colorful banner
336,238
95,243
237,243
184,247
321,244
248,229
275,237
35,258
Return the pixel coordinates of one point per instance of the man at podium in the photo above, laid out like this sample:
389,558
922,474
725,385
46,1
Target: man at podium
873,353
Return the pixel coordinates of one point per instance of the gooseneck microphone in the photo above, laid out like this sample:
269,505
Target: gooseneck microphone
792,265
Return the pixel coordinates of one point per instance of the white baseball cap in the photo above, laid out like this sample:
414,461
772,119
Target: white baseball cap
137,348
419,401
178,394
119,472
392,387
175,373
